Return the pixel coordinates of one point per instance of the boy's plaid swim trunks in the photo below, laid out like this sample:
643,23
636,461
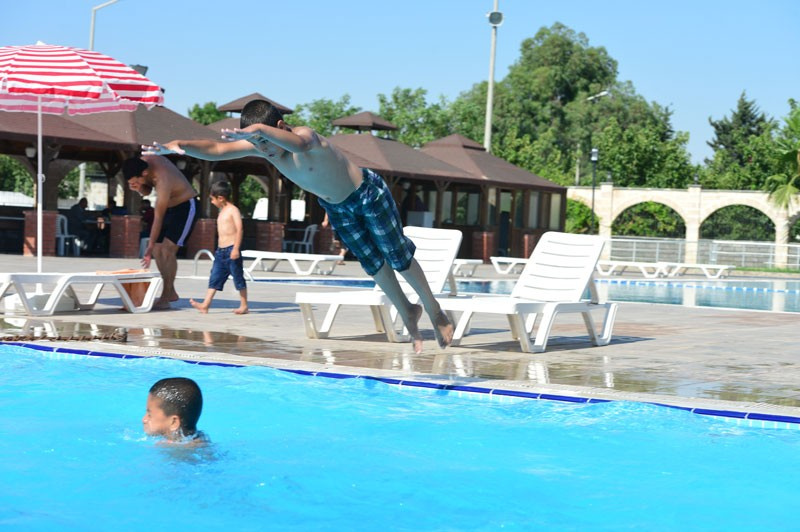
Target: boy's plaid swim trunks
368,223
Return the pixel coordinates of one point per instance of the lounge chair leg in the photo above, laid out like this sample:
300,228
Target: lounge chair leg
309,321
461,327
517,324
543,332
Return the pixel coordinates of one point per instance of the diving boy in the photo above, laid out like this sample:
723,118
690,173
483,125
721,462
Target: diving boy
359,204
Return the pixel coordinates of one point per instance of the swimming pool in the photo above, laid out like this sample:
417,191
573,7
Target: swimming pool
296,452
770,295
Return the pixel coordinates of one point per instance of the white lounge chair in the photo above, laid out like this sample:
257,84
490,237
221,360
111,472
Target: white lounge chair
436,249
650,270
322,264
465,267
44,294
554,281
711,271
462,268
508,265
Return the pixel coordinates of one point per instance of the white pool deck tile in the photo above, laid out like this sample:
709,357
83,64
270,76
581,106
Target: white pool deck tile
744,361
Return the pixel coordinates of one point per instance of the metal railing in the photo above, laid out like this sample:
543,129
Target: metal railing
739,253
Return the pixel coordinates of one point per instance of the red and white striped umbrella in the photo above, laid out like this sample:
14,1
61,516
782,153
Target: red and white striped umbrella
70,79
43,78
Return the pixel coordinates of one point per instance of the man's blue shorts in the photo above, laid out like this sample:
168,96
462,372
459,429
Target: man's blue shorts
368,223
224,266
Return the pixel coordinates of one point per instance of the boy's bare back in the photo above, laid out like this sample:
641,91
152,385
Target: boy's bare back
169,182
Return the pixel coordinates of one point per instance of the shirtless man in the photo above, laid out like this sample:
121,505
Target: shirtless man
173,218
360,206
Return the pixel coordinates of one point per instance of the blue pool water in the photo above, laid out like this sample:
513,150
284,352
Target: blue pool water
309,453
770,295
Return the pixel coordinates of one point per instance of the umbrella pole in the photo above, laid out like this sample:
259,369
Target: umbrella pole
39,184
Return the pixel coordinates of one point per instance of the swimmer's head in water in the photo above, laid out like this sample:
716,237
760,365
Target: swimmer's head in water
173,401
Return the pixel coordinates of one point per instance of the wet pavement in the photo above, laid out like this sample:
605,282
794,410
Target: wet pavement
747,361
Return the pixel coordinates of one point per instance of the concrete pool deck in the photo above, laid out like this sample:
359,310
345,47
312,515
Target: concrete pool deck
745,361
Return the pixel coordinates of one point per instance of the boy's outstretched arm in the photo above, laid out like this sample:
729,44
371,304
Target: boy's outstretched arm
294,140
208,150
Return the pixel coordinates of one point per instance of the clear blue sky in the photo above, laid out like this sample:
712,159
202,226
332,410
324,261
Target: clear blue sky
695,56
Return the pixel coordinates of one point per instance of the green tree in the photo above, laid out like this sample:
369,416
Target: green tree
207,114
14,176
417,120
649,219
579,217
784,185
730,133
319,114
738,222
546,122
743,149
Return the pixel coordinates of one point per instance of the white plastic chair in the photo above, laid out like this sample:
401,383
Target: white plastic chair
63,237
306,245
554,281
436,250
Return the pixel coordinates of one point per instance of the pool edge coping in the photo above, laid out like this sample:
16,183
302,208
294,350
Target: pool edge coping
726,410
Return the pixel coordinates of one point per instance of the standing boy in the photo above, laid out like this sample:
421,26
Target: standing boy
173,216
228,257
359,204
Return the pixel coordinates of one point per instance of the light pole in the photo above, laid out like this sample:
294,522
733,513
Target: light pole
82,166
593,99
594,157
95,9
495,19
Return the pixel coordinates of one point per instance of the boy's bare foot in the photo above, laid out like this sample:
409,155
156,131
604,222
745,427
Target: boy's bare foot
199,306
443,329
241,310
413,328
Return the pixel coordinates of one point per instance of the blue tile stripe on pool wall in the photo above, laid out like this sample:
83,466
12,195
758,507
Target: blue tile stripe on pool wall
792,421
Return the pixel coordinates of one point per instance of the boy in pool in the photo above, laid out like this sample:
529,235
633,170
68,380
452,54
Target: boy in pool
173,408
360,206
227,258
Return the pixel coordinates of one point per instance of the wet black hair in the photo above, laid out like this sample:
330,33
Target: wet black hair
260,112
133,167
180,397
221,188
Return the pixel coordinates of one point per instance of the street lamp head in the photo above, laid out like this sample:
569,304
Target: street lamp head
595,154
495,18
599,95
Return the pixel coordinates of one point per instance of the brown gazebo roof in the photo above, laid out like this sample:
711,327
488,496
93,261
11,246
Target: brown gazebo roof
471,157
76,141
231,122
389,157
364,121
238,104
141,126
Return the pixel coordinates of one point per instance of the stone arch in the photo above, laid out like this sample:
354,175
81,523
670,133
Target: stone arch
755,200
624,203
